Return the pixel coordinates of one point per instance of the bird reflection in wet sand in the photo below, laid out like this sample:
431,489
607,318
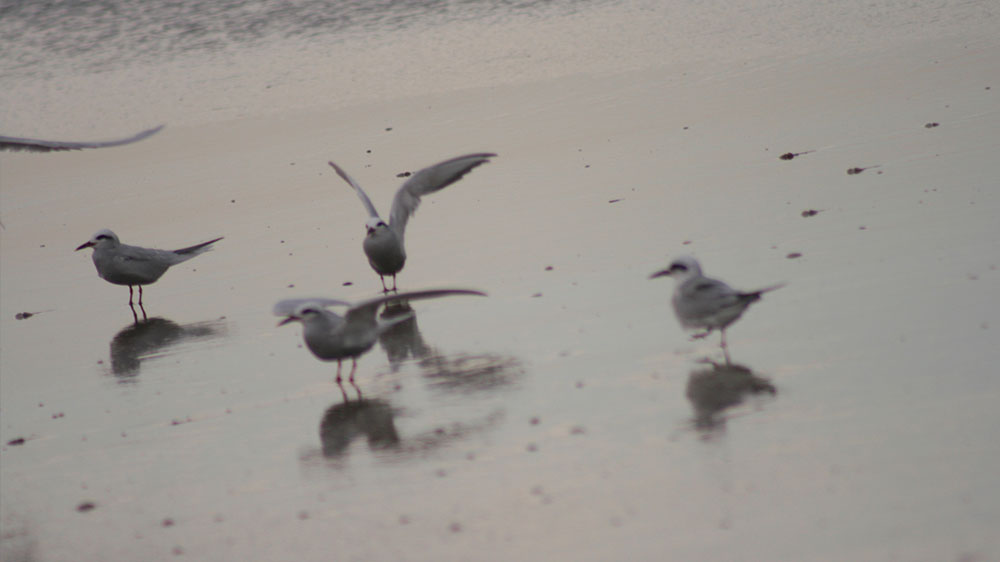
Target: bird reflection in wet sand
401,340
470,372
464,372
374,419
716,388
343,423
150,338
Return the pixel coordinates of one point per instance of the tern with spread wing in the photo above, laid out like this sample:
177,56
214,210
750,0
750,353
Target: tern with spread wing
384,242
703,302
334,337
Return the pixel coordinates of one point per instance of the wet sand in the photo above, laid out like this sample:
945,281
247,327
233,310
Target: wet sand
566,415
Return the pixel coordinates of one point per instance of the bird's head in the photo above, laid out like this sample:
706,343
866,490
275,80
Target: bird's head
305,310
101,237
373,224
302,313
680,268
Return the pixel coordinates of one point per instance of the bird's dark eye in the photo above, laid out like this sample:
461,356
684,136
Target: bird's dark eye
308,311
678,267
103,237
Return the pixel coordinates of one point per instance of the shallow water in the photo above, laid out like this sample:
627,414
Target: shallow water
111,34
566,415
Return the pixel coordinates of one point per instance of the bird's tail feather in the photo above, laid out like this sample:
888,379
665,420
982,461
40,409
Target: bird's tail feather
192,251
755,295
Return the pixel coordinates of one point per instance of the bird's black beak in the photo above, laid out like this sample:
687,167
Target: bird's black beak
288,320
87,244
663,273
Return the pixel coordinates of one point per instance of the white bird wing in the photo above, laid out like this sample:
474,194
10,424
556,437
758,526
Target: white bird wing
365,310
357,189
704,296
126,253
15,144
429,180
288,306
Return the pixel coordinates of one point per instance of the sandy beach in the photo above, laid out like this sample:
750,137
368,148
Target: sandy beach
567,415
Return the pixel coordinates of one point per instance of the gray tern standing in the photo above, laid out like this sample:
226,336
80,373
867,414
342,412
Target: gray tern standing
122,264
332,337
703,302
384,242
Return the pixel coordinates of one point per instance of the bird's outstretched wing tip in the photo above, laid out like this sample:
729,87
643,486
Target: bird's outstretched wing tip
15,144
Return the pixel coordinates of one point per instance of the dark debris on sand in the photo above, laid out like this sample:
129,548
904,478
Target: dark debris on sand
790,155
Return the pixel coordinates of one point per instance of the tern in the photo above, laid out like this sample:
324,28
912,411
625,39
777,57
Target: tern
384,242
703,302
333,337
122,264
